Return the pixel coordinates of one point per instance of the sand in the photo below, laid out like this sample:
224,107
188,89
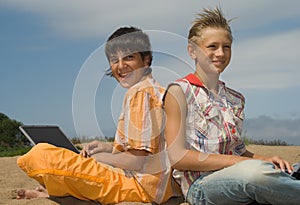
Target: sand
12,179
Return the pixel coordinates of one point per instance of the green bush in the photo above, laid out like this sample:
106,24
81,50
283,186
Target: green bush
10,135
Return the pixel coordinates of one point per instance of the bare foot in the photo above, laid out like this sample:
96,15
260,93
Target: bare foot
39,192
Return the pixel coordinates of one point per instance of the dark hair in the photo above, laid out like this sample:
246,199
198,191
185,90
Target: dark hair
128,40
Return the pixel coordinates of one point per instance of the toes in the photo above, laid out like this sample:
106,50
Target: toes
20,194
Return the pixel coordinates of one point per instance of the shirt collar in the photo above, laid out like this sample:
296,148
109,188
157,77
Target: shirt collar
193,79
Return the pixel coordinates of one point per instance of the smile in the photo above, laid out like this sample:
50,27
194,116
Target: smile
218,62
125,75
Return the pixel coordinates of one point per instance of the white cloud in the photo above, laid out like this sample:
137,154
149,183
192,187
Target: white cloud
256,13
80,19
266,62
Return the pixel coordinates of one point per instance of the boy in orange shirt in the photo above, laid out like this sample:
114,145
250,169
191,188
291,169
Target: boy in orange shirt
136,167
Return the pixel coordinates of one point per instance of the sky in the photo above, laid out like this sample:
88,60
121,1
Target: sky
52,60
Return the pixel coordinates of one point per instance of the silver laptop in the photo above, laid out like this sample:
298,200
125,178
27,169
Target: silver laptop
48,134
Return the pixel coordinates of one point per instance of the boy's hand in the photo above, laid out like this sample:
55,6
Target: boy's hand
281,164
95,147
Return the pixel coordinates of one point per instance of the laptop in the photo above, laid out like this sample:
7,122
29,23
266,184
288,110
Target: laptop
48,134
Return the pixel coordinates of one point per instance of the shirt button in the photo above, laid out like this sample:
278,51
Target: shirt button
233,130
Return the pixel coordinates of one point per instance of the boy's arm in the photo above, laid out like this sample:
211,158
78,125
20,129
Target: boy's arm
102,152
130,160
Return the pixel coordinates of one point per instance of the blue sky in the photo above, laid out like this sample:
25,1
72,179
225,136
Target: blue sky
52,61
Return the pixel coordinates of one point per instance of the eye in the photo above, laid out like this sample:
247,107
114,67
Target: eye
113,60
212,47
129,57
227,46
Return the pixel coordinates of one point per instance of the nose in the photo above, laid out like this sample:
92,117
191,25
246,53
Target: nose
219,52
121,64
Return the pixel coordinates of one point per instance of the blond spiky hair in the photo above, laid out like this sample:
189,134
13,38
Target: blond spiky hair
213,18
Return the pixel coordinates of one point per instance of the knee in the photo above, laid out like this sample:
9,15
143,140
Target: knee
256,171
34,157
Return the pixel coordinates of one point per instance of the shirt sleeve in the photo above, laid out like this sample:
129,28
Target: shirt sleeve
140,124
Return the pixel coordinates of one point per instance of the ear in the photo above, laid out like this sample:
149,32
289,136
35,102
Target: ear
146,60
191,50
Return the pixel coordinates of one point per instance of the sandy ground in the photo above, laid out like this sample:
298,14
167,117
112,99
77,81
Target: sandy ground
12,179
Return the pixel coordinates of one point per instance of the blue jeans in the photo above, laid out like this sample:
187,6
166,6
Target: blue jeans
244,182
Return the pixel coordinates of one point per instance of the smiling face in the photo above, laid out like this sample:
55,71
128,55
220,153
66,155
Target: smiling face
128,69
215,43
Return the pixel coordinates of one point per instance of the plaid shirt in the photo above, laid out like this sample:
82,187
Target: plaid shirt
213,123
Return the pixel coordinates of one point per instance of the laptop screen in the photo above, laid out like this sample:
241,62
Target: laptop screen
47,134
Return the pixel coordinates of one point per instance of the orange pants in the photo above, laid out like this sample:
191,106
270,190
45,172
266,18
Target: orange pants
65,173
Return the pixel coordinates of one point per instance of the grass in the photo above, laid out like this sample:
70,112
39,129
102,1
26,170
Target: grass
13,151
248,141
